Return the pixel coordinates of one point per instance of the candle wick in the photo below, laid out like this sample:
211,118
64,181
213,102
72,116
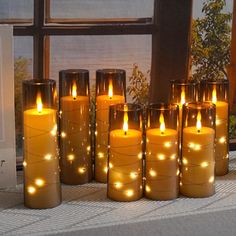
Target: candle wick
125,132
198,130
162,132
74,98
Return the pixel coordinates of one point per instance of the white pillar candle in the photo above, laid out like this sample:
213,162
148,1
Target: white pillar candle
41,169
102,124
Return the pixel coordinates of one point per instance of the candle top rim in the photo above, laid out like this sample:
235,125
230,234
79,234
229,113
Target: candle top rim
194,130
34,111
130,133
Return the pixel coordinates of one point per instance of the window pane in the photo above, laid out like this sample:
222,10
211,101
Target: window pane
97,52
23,54
101,8
12,11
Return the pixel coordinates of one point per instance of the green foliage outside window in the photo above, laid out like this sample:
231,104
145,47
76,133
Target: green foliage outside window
211,40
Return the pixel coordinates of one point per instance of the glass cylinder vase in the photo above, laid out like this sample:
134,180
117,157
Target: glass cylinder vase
75,139
125,162
110,90
198,150
183,91
162,155
41,168
217,91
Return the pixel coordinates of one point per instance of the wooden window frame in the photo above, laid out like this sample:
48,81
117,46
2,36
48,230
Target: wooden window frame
171,20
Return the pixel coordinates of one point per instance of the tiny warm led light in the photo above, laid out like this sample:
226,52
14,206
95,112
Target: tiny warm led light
118,185
167,144
211,180
100,155
48,157
24,163
140,155
148,189
39,182
105,169
88,148
54,131
133,175
70,157
96,133
185,162
177,172
191,145
218,122
222,140
197,147
129,193
110,165
173,157
153,173
63,134
180,183
81,170
204,164
161,157
31,190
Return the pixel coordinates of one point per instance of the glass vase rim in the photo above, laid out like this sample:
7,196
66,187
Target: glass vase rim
132,107
161,106
74,71
184,82
200,105
111,71
39,82
216,81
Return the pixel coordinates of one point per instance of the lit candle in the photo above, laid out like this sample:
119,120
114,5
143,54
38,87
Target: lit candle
182,92
162,168
103,102
75,140
198,157
221,135
125,162
41,175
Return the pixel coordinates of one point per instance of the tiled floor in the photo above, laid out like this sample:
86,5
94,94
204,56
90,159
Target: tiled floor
87,211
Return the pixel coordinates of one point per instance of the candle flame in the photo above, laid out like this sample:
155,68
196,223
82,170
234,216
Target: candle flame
214,98
126,118
74,90
39,103
182,96
199,124
110,89
162,123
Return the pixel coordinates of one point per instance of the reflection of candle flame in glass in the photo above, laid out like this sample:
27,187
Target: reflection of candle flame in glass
110,89
214,98
74,90
39,103
199,124
162,123
126,118
182,96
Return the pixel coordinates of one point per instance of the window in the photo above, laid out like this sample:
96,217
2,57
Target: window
51,35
